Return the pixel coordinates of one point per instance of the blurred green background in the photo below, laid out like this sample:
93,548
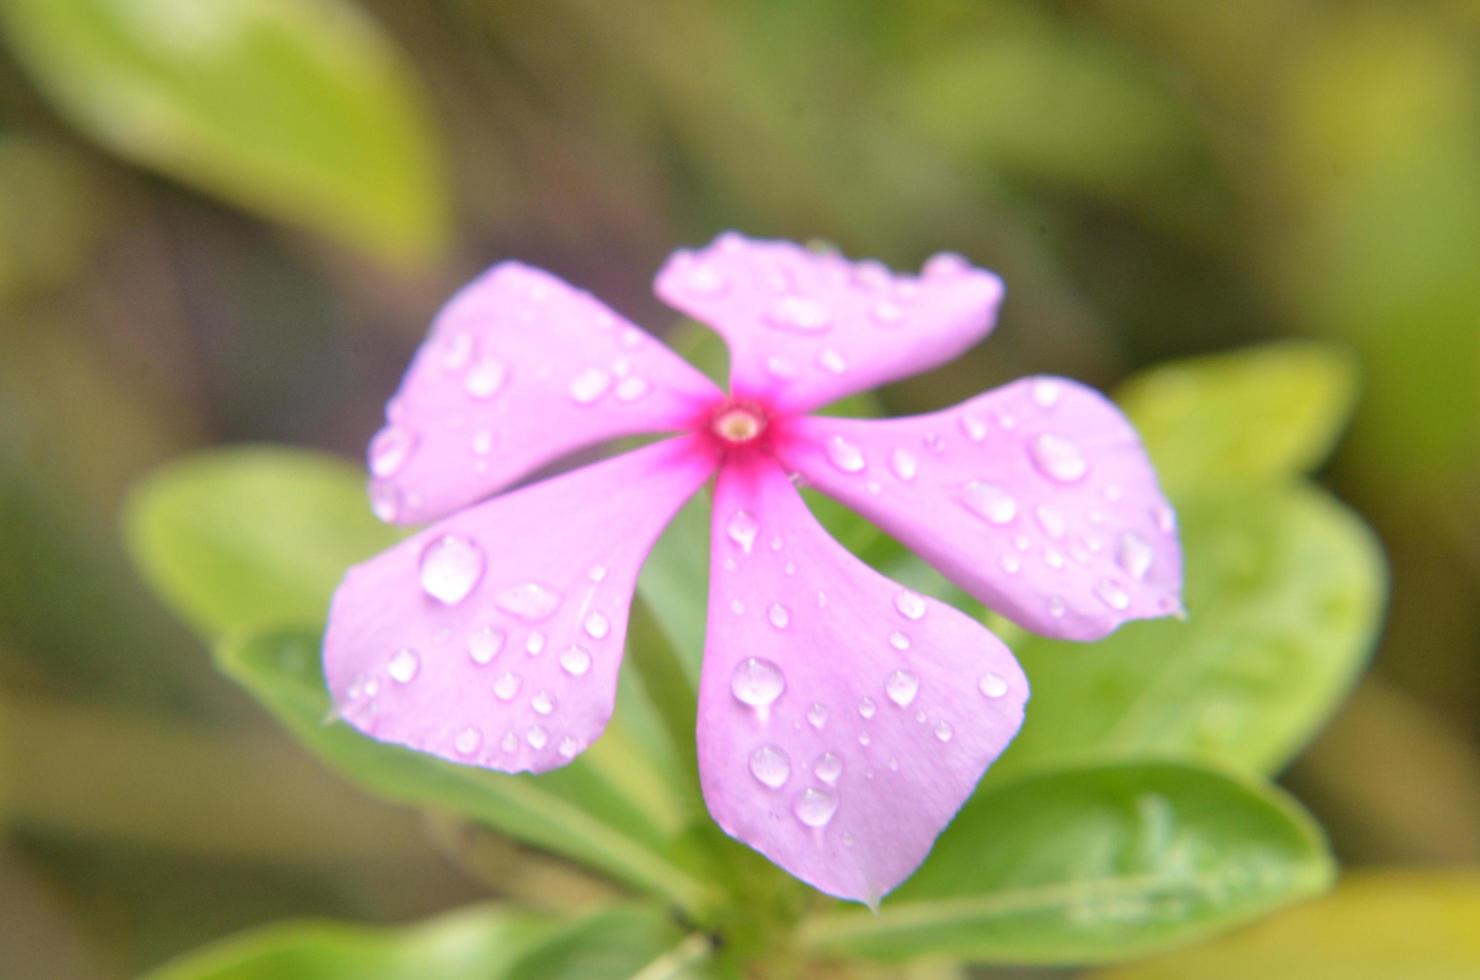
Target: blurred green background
227,222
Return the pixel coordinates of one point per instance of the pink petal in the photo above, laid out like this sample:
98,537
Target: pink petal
842,719
1036,497
520,369
806,328
493,638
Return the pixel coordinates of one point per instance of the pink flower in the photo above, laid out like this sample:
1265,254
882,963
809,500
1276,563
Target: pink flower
843,719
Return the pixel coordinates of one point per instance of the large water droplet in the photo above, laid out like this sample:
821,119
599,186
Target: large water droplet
817,716
989,502
589,385
1112,595
531,601
902,686
1058,458
451,566
845,455
467,741
1134,555
484,644
815,807
778,616
506,686
403,666
757,682
485,378
799,314
575,660
742,529
911,605
828,768
771,765
904,464
597,626
992,685
390,449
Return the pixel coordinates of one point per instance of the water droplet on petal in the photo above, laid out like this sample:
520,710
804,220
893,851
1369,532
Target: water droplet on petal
457,351
1166,520
1051,520
904,464
485,378
989,502
509,743
899,641
888,314
589,385
1113,595
483,442
911,605
799,314
828,768
1011,565
1134,555
596,573
390,449
771,766
781,367
844,455
778,616
737,607
569,747
506,686
1058,458
385,501
484,644
975,428
575,660
535,645
815,807
542,703
817,716
1057,607
867,708
742,529
597,626
944,731
872,274
757,682
531,601
537,737
704,279
902,686
451,566
944,265
403,666
992,685
832,362
631,389
1046,393
467,741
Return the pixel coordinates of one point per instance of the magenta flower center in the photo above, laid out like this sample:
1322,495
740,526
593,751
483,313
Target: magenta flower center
738,424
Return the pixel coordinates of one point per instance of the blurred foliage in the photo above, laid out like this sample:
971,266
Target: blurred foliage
1153,180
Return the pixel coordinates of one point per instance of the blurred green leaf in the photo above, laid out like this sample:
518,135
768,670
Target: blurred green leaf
299,109
1259,413
1093,863
50,214
481,943
240,539
1284,590
609,809
615,945
1390,925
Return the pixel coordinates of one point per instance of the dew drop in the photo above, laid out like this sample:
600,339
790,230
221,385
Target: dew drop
385,501
484,644
404,665
828,768
1134,555
1166,520
911,605
704,279
390,449
483,442
771,766
1011,564
799,314
780,367
944,731
569,747
597,626
509,743
506,686
589,385
845,455
944,265
989,502
935,443
631,389
575,660
1051,520
737,607
1057,607
778,616
542,703
817,716
742,529
902,686
866,708
992,685
1058,458
1053,558
904,464
531,601
537,737
888,314
975,428
457,351
1046,393
832,362
485,378
815,807
451,566
757,682
535,645
1113,595
899,640
596,573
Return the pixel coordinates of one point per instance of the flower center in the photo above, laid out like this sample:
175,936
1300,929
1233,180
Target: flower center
738,424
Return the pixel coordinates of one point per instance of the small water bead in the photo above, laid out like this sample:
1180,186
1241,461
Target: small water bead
791,568
589,385
1053,558
799,314
737,607
781,367
944,732
1057,607
483,442
742,529
845,455
944,265
596,573
935,442
828,768
866,708
1011,564
597,626
531,601
1022,542
507,686
1112,492
899,640
404,665
484,644
509,743
1134,555
485,378
888,314
776,543
705,279
911,605
575,660
778,616
904,464
771,766
872,274
621,367
974,428
815,807
757,682
992,685
1166,520
467,741
874,487
390,449
730,564
1058,458
1051,520
864,739
457,351
631,389
542,703
1113,595
569,747
817,716
450,567
535,645
832,362
385,501
989,502
921,717
632,338
1046,393
537,737
902,686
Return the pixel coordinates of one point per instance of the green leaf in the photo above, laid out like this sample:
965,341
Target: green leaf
1285,588
614,945
613,809
1265,412
481,943
1390,925
240,539
1093,863
298,109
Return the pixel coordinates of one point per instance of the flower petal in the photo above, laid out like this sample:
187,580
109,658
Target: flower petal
520,369
1036,497
806,328
842,719
493,637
